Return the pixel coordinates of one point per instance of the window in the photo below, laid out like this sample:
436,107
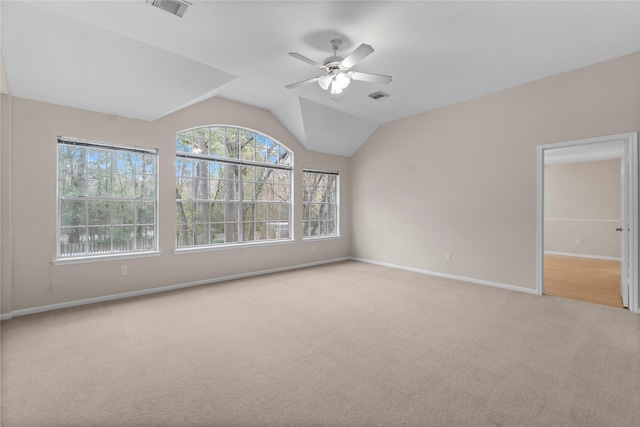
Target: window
320,201
107,200
233,185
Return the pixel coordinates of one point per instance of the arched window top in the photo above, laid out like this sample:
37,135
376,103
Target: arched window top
234,144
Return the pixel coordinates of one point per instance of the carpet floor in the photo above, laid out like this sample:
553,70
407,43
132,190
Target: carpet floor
344,344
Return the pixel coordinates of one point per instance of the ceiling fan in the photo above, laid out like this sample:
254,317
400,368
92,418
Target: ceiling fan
337,69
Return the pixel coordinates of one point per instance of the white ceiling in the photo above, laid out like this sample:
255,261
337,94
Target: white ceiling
130,59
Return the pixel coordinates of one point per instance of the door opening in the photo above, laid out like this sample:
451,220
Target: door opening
593,152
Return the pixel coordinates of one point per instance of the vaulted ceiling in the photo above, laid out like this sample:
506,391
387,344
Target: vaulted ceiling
130,59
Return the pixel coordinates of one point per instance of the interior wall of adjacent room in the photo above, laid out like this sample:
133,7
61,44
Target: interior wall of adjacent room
582,208
462,179
37,282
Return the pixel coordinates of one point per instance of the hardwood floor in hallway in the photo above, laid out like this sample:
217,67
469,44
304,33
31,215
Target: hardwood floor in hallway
584,279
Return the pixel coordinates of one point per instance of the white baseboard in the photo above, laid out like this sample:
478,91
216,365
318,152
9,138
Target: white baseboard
608,258
451,276
33,310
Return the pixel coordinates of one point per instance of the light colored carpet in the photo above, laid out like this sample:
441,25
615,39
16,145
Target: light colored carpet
346,344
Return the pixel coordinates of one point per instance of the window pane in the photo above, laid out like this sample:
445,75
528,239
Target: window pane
217,212
249,231
247,145
99,240
72,173
72,240
231,232
201,212
73,212
123,185
283,214
272,152
231,212
200,234
248,191
184,167
145,186
145,237
232,149
184,235
217,233
184,188
184,212
261,231
261,149
284,156
123,238
249,212
184,141
71,157
99,212
229,190
200,189
123,212
216,141
146,214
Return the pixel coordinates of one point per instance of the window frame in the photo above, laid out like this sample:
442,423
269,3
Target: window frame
335,204
240,163
111,199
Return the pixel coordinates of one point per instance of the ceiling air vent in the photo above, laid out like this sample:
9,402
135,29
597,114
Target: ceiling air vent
378,95
176,7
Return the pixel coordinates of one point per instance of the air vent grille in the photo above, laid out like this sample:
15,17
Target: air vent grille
175,7
377,96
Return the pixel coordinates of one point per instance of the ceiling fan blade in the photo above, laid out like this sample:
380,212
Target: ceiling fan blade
303,82
305,59
356,56
371,78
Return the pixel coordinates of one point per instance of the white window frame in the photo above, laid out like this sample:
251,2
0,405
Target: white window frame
335,204
240,163
137,250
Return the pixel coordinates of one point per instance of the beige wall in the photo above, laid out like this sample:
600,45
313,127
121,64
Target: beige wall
5,206
36,282
582,203
462,179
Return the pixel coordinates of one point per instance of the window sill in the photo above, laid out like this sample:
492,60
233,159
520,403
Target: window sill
100,258
195,249
316,238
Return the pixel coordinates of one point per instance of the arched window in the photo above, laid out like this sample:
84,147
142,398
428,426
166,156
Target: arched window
233,185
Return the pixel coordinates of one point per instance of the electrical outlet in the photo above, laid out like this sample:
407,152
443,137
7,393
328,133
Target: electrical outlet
313,248
577,241
448,256
123,270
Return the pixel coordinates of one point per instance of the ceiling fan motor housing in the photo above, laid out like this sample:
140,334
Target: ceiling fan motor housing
333,62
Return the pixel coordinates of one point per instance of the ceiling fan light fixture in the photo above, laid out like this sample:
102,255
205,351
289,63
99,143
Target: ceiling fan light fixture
342,80
325,81
335,89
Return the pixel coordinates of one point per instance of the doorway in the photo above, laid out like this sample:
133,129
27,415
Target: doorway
576,242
